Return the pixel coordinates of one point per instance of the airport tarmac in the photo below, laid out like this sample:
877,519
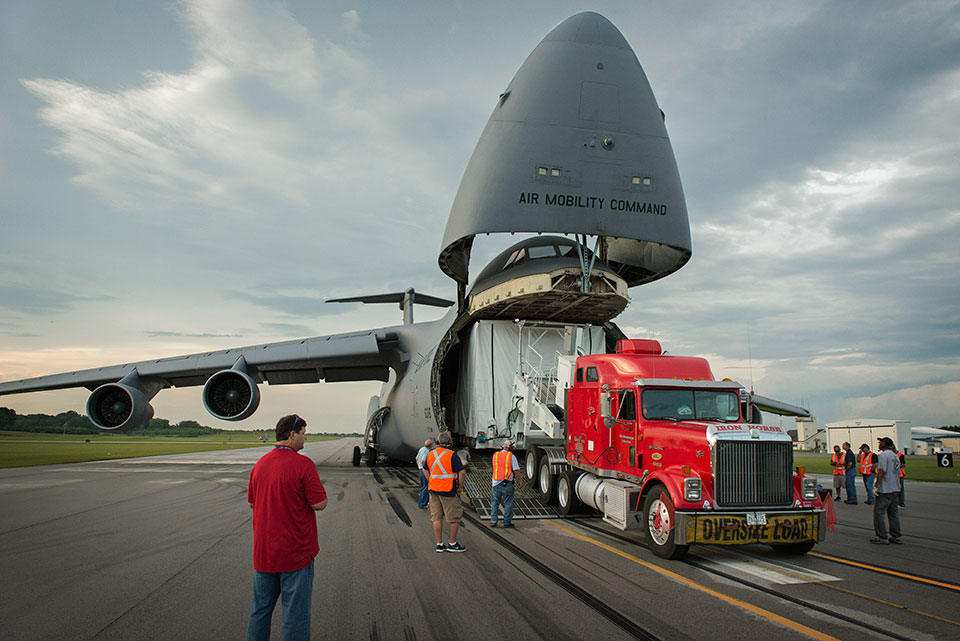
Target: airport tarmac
160,548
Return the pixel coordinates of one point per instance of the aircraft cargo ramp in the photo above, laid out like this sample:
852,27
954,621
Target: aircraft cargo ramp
527,503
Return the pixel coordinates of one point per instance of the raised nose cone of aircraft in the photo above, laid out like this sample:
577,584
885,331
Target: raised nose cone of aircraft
540,278
576,145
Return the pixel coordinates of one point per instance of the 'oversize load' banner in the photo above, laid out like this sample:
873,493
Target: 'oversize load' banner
779,528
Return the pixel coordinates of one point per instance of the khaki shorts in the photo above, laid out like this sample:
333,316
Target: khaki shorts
445,507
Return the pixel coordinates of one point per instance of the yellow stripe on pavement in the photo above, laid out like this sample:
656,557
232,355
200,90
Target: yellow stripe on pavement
902,575
776,618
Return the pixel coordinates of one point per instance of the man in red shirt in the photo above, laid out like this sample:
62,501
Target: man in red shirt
284,492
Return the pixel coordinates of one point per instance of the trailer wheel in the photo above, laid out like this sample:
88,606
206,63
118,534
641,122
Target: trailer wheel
793,548
530,464
659,521
567,493
371,457
357,455
546,481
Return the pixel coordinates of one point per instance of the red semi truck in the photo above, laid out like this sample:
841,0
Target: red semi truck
654,442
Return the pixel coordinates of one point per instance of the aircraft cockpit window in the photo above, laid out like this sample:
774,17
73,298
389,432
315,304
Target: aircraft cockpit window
543,251
515,258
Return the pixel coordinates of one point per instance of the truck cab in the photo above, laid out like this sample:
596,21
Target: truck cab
653,441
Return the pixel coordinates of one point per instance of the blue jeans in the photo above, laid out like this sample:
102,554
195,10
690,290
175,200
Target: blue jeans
297,590
851,479
868,481
424,495
502,493
902,501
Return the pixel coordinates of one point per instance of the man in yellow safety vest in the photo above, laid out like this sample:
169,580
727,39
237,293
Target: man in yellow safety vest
506,479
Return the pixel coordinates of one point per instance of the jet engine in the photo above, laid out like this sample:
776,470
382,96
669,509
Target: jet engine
231,394
118,407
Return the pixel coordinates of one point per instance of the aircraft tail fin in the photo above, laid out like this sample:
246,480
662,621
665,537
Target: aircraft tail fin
406,299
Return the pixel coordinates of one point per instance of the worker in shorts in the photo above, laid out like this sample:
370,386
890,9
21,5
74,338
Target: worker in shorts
445,476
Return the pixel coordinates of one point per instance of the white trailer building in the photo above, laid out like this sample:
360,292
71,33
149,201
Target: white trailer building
867,430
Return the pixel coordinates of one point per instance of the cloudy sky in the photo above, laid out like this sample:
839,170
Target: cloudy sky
184,176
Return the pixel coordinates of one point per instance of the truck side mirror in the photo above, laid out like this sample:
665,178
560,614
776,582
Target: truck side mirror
606,409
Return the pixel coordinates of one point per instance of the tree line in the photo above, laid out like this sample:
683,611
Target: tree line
73,423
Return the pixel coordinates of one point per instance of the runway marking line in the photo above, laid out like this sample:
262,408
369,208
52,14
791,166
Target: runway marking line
874,568
776,618
876,599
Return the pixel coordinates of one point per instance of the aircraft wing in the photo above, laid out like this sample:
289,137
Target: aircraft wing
121,392
357,356
778,407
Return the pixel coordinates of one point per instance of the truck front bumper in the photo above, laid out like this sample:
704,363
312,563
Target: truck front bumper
733,528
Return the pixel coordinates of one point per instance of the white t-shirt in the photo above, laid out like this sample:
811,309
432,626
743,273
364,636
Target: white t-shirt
422,456
889,462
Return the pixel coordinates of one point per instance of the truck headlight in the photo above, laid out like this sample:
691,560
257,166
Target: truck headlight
692,490
809,489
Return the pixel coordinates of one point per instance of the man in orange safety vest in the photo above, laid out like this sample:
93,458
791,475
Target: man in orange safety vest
506,479
868,470
445,477
836,462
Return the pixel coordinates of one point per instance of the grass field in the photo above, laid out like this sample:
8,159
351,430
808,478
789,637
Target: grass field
20,449
918,469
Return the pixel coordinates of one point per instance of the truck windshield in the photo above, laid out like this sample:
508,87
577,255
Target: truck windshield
681,405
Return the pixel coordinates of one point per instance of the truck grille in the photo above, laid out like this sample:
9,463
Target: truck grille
753,474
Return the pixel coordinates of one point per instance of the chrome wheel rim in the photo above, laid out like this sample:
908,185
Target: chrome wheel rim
563,491
545,478
658,522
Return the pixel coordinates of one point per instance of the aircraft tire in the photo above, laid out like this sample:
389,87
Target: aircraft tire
793,548
547,481
371,457
659,520
567,493
357,455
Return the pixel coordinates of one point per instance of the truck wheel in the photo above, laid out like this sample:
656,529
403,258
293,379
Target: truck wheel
659,521
371,457
793,548
357,455
546,481
531,464
567,493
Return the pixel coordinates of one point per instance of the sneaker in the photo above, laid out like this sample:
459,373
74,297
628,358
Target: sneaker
494,524
837,498
896,541
506,525
455,547
879,541
441,547
868,502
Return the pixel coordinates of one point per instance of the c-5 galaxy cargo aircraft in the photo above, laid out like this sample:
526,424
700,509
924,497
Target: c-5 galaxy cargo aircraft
576,146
